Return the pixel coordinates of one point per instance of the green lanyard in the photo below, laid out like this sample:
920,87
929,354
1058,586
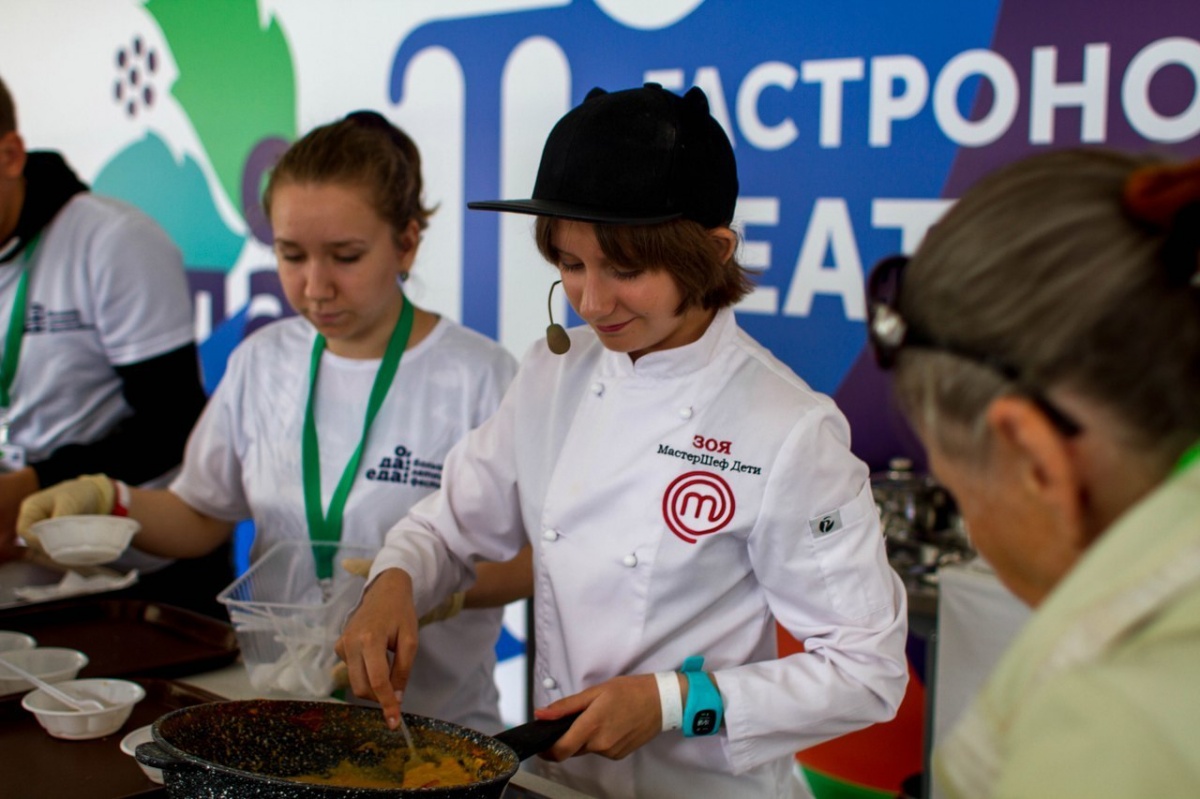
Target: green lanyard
16,328
1189,457
322,527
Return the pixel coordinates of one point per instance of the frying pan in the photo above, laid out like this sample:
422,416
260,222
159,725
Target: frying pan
229,750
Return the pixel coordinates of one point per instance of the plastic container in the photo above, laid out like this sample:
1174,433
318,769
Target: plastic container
11,640
51,663
287,621
86,540
61,721
129,745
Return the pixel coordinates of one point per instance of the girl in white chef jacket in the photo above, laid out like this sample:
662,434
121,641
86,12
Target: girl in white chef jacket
345,204
682,489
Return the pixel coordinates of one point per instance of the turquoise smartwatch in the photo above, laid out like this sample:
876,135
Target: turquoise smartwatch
702,715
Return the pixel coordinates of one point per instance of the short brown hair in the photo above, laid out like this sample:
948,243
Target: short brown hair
8,112
362,149
681,247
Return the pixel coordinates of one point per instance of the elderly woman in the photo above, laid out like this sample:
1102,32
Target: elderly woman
1046,345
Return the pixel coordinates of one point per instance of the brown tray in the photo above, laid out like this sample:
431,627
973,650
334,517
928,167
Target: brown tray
128,637
37,766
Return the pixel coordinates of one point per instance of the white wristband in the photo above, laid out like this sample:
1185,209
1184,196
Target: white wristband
671,699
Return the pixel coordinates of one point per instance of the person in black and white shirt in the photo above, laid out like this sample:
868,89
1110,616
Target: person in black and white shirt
103,375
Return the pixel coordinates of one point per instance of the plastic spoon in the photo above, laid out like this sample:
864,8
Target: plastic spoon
408,735
89,705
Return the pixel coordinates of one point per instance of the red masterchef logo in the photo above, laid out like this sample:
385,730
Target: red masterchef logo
696,504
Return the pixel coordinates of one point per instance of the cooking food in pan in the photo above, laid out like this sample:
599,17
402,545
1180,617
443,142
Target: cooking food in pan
440,761
289,749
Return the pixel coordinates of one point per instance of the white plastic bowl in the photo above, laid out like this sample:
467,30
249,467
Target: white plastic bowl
51,663
11,641
76,725
85,540
129,745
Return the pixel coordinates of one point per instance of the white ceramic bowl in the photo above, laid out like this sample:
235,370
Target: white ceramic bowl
85,540
61,721
11,641
129,745
51,663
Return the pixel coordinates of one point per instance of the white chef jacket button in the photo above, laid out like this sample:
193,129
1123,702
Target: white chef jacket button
550,535
597,389
685,413
630,560
549,684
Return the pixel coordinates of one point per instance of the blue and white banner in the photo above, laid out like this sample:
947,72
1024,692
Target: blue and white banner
855,125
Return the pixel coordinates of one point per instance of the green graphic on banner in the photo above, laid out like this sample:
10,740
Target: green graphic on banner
176,195
236,80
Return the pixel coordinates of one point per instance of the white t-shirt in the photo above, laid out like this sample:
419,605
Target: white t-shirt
106,288
243,460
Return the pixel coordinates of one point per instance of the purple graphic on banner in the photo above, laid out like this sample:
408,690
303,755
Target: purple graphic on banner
1112,31
1108,74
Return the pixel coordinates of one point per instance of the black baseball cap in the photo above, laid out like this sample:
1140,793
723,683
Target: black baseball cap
634,157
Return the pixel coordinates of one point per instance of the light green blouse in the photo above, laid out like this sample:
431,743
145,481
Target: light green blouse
1099,695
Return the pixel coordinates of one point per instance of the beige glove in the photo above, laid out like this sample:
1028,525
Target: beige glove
448,609
359,567
92,494
339,675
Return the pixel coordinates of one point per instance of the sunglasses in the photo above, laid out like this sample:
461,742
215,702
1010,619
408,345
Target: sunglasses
888,332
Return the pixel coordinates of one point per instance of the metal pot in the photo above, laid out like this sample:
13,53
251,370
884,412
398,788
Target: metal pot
912,507
921,524
229,750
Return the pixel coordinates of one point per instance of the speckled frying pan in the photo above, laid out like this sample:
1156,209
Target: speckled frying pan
238,750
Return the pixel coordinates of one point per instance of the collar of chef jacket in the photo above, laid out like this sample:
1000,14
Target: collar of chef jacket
677,361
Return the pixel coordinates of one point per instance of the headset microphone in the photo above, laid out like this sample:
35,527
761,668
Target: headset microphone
556,337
